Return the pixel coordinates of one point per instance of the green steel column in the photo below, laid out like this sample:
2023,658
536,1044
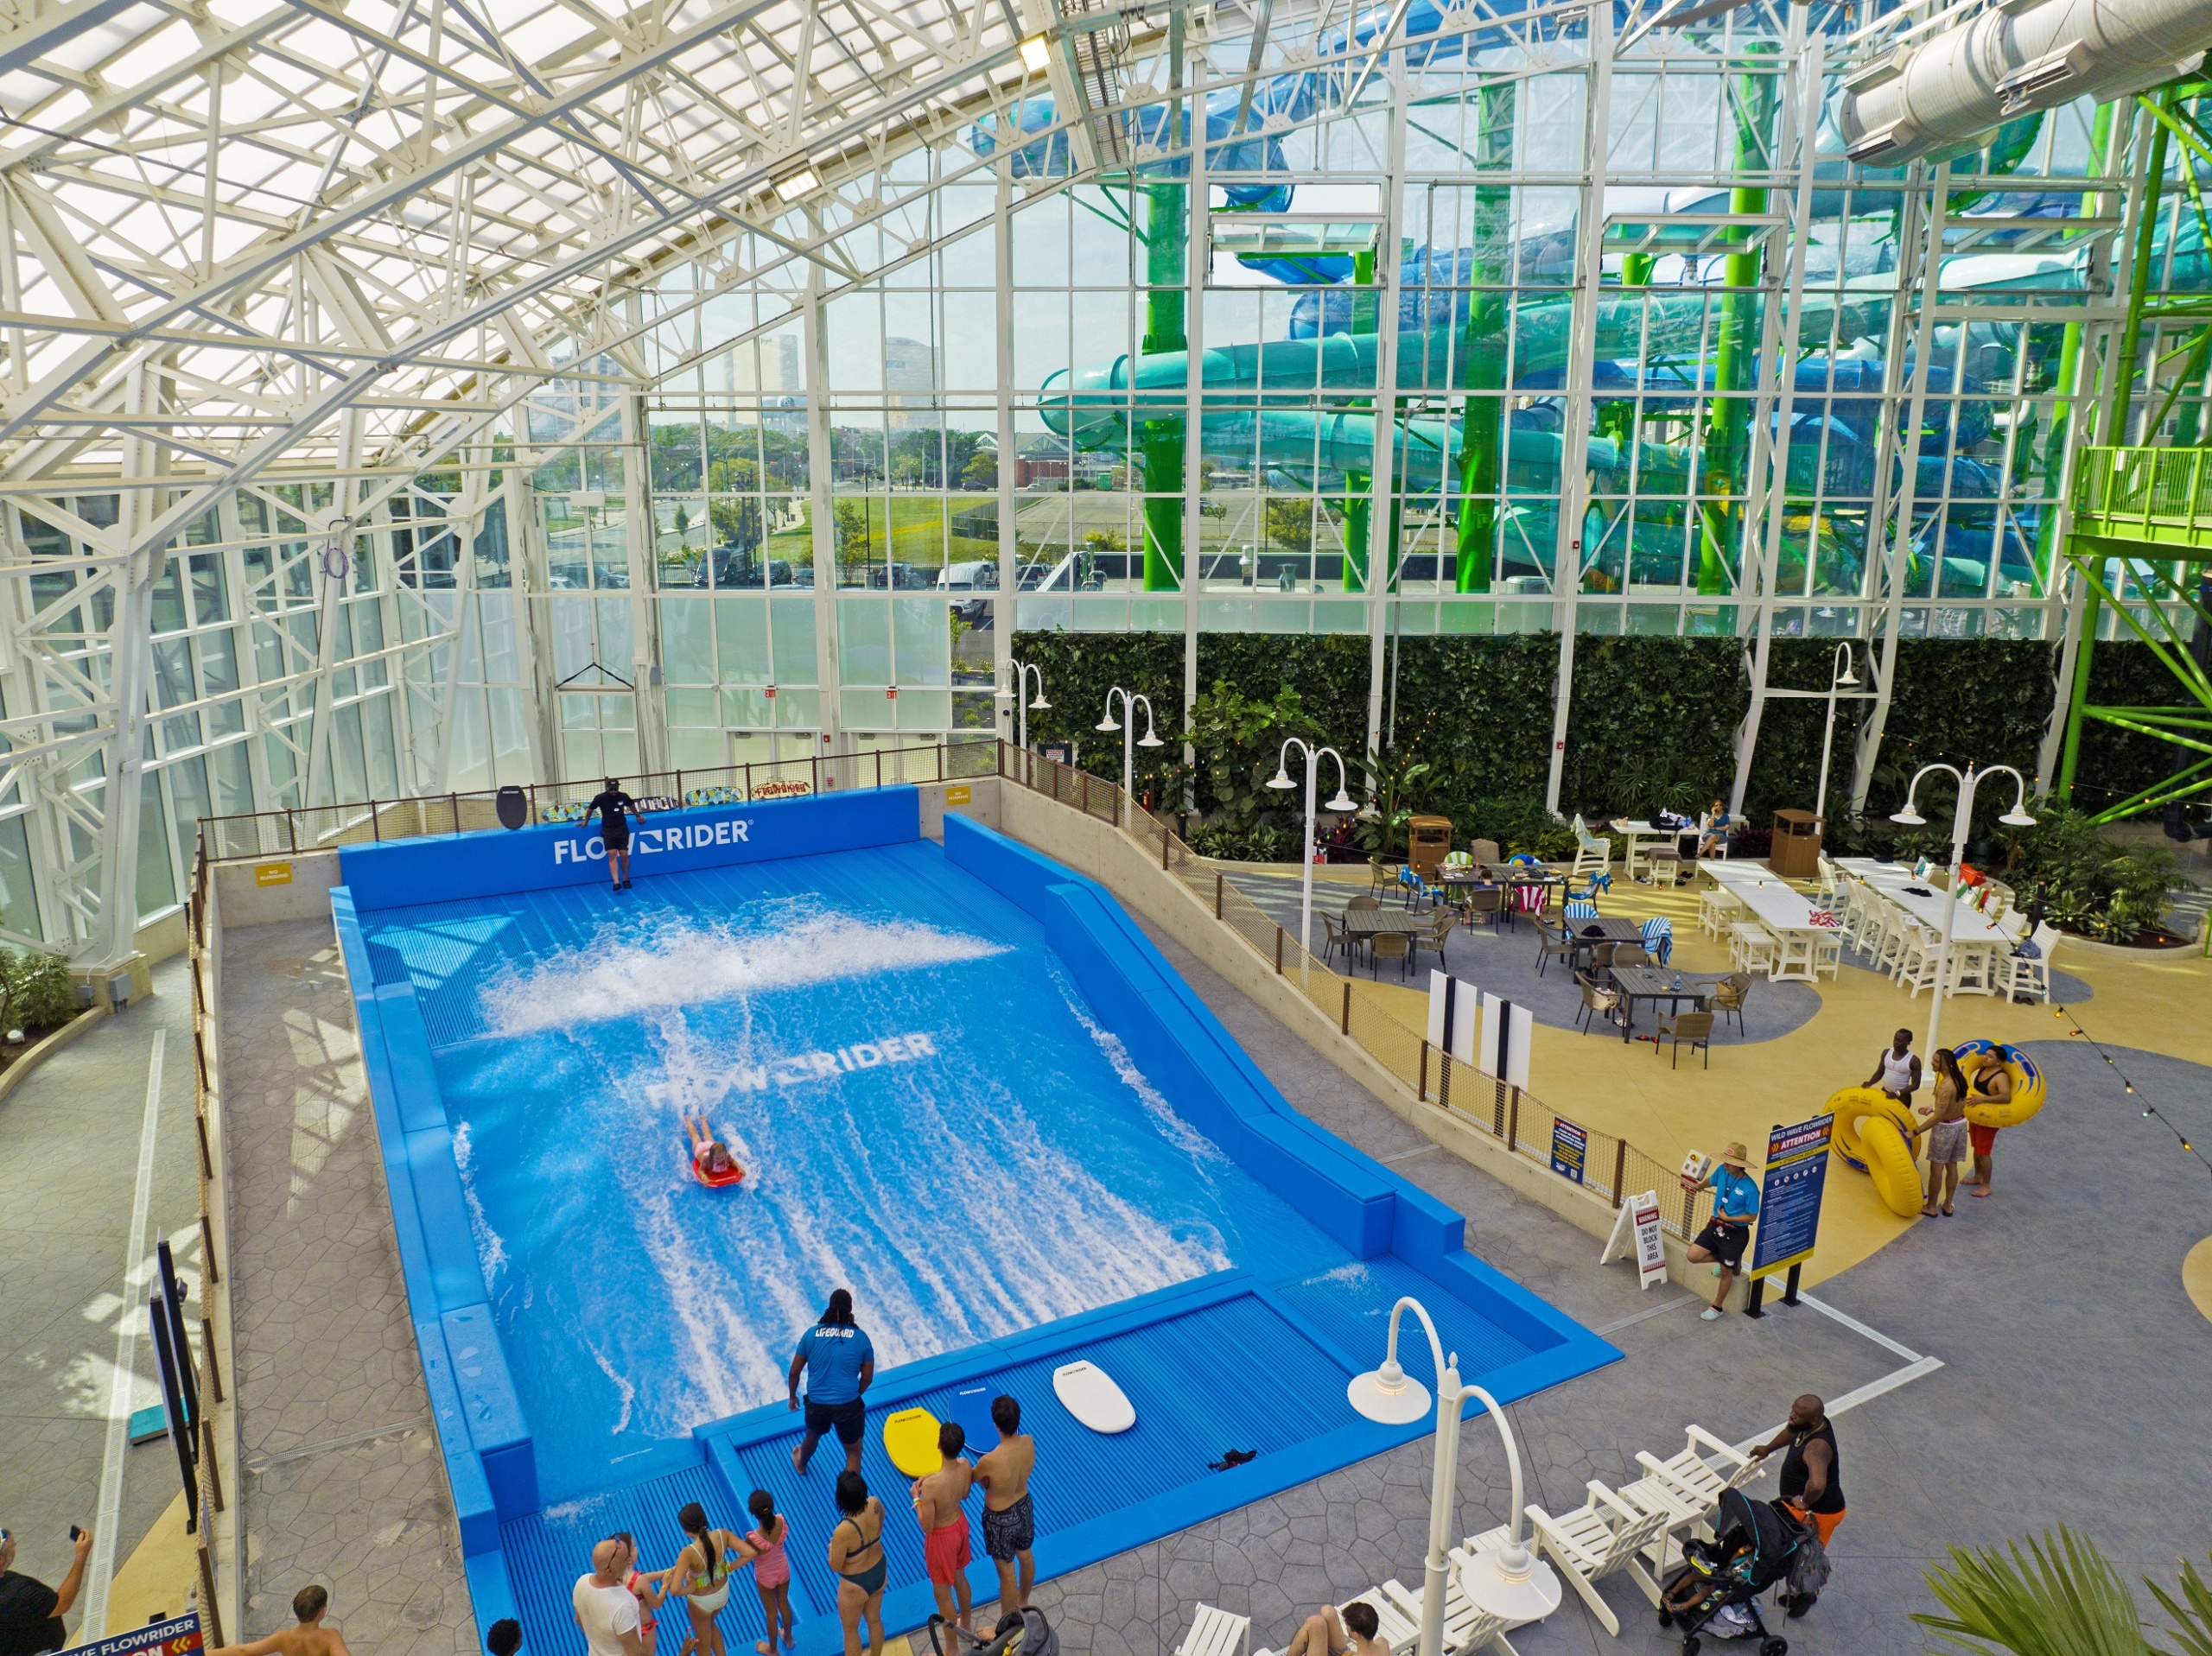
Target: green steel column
2069,359
1482,346
1737,348
2123,372
1358,502
1160,440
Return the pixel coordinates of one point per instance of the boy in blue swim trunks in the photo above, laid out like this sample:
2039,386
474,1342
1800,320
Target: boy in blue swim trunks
1009,1520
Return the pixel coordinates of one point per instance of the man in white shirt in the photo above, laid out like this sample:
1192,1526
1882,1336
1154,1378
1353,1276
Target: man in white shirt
605,1609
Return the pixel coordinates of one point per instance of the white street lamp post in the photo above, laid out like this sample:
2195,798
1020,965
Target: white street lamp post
1508,1581
1343,801
1840,675
1021,675
1128,727
1961,820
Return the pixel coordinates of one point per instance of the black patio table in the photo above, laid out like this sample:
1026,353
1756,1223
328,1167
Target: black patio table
1654,984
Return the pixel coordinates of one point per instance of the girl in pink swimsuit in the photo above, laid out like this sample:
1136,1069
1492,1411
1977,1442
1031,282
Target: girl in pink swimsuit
772,1570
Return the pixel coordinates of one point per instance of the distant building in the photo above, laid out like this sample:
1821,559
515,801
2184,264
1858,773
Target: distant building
910,379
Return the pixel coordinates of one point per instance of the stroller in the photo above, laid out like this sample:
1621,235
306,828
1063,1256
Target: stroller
1019,1632
1755,1545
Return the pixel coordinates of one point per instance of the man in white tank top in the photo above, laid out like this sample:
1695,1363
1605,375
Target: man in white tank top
1897,1072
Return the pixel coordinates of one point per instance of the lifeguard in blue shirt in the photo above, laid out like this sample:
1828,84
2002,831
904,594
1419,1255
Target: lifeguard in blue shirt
1735,1205
838,1361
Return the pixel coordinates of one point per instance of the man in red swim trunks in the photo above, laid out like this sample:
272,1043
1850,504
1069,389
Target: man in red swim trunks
945,1527
1993,1084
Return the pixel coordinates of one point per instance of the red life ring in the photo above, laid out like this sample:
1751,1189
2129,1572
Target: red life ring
716,1181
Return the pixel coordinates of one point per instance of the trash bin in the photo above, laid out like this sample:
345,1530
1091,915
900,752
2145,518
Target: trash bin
1429,841
1796,854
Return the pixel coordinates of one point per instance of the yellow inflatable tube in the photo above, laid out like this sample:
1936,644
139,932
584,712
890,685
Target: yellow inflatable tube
1873,1133
2027,1084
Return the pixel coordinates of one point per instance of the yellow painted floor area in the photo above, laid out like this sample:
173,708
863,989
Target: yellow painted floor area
2197,1275
1630,1090
159,1577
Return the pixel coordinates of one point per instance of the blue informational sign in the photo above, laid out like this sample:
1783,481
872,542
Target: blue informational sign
1789,1194
173,1637
1570,1149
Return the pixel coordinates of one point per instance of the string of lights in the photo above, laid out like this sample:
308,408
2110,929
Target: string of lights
2150,1111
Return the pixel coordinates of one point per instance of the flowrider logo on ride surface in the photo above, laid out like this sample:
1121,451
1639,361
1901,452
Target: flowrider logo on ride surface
829,1066
684,836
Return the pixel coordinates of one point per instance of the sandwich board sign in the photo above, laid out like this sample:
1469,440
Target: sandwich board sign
1635,1229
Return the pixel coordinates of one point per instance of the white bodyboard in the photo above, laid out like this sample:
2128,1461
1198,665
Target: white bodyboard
1089,1394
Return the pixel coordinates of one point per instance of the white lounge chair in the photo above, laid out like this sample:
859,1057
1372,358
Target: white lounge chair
1603,1536
1465,1628
1392,1625
1217,1632
1686,1488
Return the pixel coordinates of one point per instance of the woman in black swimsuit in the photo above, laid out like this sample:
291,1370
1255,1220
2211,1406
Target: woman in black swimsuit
856,1554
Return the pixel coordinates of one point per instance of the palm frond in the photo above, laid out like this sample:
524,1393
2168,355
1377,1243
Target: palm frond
2192,1619
2061,1598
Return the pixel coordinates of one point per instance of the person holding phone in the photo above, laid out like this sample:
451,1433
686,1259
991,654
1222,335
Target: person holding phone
30,1611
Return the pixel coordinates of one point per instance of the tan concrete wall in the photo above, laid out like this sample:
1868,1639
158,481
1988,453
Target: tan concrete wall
246,902
1134,875
982,804
157,940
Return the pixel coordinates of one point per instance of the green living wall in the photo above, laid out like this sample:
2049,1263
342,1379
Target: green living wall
1653,722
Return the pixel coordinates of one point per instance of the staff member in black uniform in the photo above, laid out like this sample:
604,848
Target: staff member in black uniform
1812,1471
614,809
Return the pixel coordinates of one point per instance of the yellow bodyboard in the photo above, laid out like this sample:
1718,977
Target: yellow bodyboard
910,1439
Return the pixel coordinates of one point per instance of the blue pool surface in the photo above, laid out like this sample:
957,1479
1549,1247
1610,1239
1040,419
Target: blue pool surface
1005,1171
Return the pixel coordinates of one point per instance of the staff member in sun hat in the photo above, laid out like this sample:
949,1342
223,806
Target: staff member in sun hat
839,1362
1735,1204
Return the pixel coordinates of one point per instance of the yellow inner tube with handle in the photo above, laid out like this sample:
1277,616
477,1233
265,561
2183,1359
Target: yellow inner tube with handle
2027,1084
1873,1134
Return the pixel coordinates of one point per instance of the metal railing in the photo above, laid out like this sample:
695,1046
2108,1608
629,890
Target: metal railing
1611,1166
2145,487
213,1238
323,827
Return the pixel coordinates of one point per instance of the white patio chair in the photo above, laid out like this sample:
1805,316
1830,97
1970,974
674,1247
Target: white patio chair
1603,1536
1592,851
1914,966
1465,1628
1830,878
2017,977
1863,923
1217,1632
